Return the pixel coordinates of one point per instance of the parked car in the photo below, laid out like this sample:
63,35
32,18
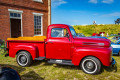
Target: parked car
113,34
80,35
98,37
117,21
114,38
62,46
116,48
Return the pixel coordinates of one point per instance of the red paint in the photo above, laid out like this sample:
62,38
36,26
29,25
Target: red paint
36,48
72,48
103,54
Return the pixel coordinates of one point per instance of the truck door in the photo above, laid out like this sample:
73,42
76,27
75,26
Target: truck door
58,45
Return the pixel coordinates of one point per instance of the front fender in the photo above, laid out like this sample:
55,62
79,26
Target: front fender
103,54
13,49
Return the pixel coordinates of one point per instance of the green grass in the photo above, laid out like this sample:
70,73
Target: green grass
89,29
44,71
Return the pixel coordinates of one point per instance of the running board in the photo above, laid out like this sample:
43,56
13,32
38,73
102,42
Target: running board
40,58
62,62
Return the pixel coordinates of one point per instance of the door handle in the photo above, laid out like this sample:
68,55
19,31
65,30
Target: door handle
46,42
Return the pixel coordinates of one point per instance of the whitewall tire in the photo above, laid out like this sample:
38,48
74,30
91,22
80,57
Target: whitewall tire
91,65
24,58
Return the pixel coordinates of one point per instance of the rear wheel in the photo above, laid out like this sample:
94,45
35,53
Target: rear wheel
24,58
91,65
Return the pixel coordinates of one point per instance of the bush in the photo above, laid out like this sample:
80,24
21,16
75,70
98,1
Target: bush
2,44
2,47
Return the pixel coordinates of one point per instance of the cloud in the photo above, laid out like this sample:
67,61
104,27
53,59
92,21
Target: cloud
103,1
93,1
56,3
108,1
115,14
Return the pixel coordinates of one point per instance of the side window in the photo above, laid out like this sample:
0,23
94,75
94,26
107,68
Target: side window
59,32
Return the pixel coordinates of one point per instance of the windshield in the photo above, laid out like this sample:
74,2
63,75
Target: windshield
73,31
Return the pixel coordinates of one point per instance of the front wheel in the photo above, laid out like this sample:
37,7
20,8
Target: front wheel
24,58
91,65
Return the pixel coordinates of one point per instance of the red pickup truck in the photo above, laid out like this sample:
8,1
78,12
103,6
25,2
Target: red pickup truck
62,46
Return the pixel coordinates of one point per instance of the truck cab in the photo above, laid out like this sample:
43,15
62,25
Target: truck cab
63,46
59,42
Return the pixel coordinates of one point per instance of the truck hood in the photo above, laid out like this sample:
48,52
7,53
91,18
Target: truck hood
87,41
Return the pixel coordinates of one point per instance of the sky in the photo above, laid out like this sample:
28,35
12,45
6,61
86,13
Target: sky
84,12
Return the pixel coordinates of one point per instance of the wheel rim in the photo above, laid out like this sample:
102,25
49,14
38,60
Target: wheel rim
89,66
22,59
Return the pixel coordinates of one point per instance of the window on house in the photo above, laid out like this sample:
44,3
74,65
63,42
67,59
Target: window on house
59,32
37,25
15,15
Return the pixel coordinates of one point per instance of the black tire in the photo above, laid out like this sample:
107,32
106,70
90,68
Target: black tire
91,65
24,58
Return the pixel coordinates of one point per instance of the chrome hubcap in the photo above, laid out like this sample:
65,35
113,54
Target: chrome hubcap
23,59
89,65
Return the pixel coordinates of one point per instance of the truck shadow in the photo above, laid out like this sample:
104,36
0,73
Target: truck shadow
36,63
110,69
67,67
31,76
62,66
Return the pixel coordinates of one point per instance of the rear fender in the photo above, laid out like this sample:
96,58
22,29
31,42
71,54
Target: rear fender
13,50
103,54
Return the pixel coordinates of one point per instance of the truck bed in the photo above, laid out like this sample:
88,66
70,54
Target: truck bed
14,43
35,38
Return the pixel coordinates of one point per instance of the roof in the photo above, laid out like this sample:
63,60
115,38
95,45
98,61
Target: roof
59,25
